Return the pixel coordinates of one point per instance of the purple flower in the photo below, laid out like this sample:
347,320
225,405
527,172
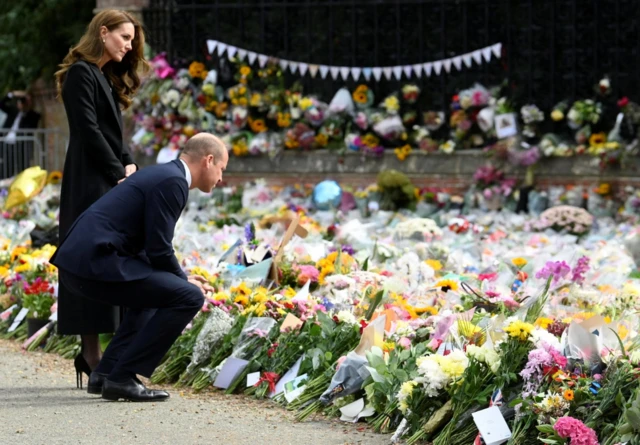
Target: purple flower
581,268
249,233
346,248
559,269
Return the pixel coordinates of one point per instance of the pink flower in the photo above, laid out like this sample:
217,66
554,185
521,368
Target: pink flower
5,316
578,432
307,273
405,343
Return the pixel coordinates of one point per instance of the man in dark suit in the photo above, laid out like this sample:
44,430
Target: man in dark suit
16,153
119,251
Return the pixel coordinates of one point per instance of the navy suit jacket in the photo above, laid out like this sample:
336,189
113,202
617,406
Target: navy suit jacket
127,234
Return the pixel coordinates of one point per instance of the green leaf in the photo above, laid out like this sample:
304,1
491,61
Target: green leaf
547,429
365,266
633,416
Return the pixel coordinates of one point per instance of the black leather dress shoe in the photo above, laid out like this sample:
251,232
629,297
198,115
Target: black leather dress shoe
133,390
96,380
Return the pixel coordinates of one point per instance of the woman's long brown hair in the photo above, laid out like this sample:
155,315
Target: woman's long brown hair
124,75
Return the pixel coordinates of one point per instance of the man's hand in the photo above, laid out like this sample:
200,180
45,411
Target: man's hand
201,282
130,169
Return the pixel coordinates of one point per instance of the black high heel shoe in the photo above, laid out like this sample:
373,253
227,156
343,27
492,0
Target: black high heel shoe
81,366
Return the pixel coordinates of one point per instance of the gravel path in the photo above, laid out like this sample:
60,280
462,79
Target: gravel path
40,405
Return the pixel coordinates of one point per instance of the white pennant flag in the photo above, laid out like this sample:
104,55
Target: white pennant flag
263,60
486,52
447,65
231,51
427,68
303,68
387,71
417,68
467,60
377,73
397,71
367,73
437,67
407,71
242,53
221,48
457,61
355,73
497,50
313,70
477,56
335,70
211,44
344,71
284,64
293,66
324,69
251,56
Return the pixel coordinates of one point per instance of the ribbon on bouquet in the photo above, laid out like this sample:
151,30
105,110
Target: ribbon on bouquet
496,400
271,378
418,70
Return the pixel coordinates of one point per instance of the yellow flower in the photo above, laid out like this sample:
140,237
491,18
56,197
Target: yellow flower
519,262
426,309
54,177
388,346
597,140
519,329
196,70
305,103
322,140
543,322
557,115
22,268
257,125
241,289
241,299
392,103
403,152
289,293
240,148
260,310
370,140
221,296
245,70
434,264
284,120
17,251
471,332
447,285
259,297
256,100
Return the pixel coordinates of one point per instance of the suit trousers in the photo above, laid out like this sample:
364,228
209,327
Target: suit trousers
159,307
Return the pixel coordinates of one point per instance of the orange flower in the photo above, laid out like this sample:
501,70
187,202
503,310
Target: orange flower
568,395
257,125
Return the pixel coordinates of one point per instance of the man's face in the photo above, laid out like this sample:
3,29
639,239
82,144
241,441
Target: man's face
212,171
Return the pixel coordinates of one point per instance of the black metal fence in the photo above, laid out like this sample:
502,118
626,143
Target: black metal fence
553,49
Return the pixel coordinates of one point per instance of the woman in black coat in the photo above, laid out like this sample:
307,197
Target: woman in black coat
97,78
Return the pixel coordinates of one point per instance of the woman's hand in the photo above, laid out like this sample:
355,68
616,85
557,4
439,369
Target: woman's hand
130,169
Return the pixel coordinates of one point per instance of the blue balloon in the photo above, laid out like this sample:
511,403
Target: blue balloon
326,195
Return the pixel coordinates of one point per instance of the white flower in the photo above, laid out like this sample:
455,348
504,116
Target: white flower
448,147
346,317
605,83
542,336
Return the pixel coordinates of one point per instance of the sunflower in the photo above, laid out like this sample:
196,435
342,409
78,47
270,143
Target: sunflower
257,125
196,70
597,140
447,285
54,177
241,289
242,300
426,309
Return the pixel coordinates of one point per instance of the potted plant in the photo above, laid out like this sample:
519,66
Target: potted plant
38,298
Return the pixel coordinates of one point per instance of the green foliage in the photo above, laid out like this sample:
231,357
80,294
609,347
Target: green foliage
35,35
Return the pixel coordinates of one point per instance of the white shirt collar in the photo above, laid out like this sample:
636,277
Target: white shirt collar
187,172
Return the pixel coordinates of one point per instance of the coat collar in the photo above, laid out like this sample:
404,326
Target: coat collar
107,90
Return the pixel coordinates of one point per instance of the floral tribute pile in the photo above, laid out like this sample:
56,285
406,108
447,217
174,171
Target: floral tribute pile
411,323
258,113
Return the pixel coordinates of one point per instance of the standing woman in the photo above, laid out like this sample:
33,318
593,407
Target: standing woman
96,79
